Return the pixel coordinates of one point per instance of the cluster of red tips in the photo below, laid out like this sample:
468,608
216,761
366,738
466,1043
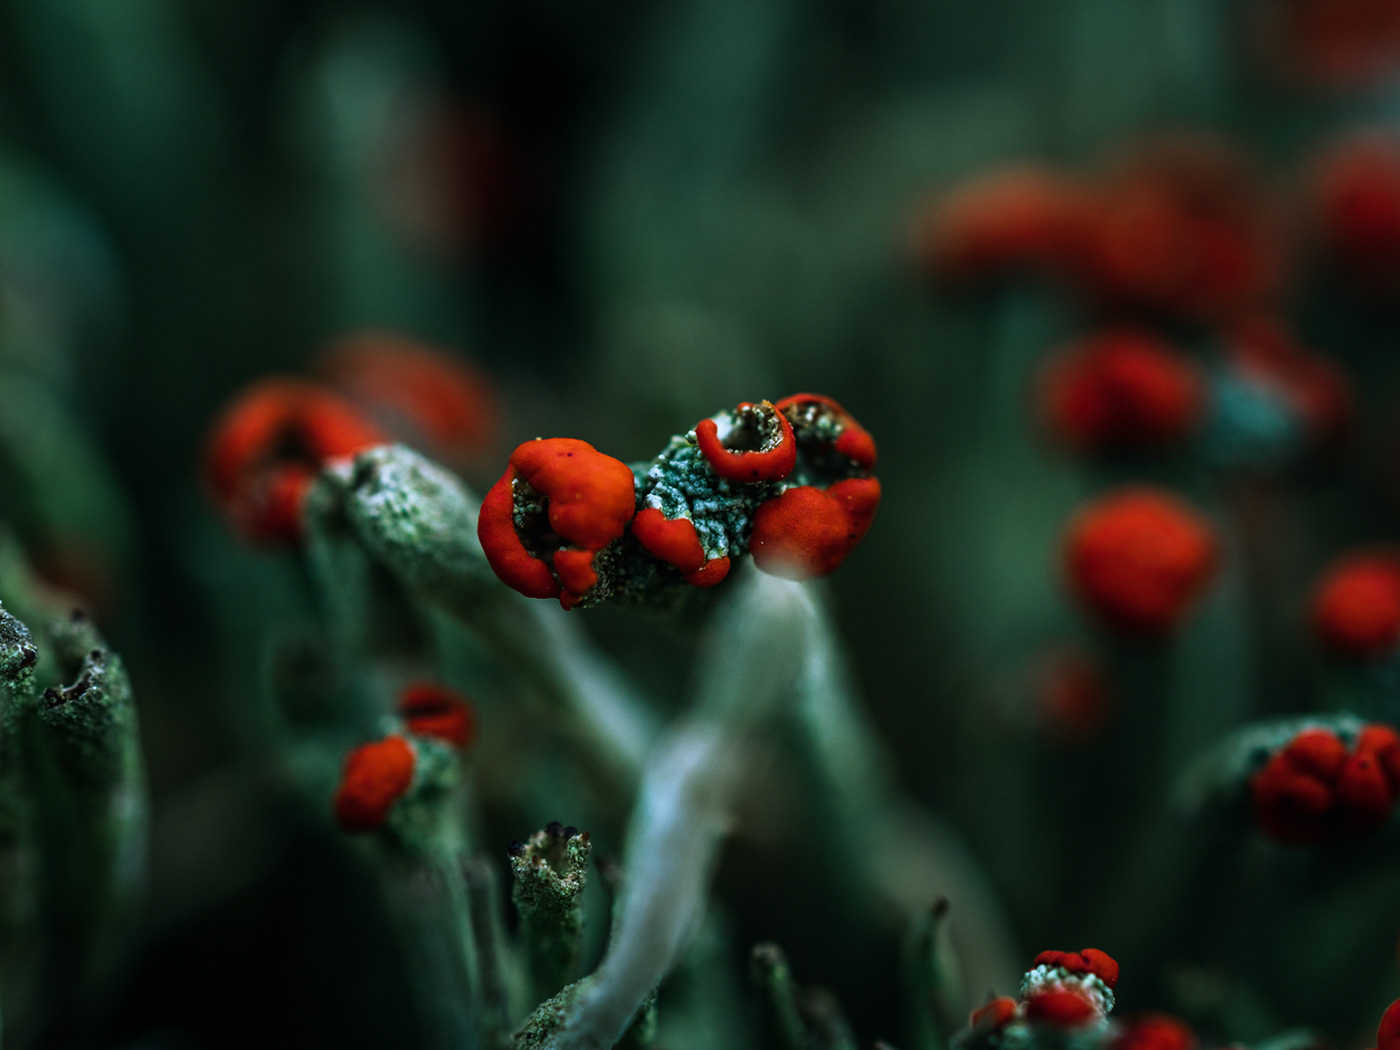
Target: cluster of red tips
1156,1032
1266,352
792,479
584,501
1122,390
1314,790
433,710
1138,559
1182,229
1356,208
1356,605
267,447
376,776
1178,229
1090,960
1055,1001
808,530
415,390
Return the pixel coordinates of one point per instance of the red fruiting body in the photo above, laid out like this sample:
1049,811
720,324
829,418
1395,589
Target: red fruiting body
1346,43
1180,230
1356,202
1090,960
1356,605
1156,1032
267,446
434,395
1024,218
516,566
430,709
677,543
589,497
1263,349
852,440
807,531
1138,559
1121,390
376,776
1063,1007
1314,790
1388,1035
998,1012
772,460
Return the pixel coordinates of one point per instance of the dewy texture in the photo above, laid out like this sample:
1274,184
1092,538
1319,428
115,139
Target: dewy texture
792,483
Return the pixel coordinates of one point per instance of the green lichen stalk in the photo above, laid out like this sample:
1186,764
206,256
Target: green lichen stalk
549,873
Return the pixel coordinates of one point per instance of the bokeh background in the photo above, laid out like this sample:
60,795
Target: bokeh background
630,216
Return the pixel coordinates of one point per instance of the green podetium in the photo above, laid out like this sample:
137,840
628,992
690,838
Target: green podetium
73,810
549,873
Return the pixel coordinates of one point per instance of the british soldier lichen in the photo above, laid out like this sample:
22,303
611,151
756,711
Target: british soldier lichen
790,482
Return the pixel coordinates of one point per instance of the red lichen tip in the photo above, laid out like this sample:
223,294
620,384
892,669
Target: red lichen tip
1152,1031
429,392
1265,351
1356,605
997,1013
808,412
1062,1007
433,710
676,542
1388,1035
1023,218
1138,559
1121,390
807,532
1313,789
266,447
376,776
758,445
516,566
1090,960
591,496
1356,205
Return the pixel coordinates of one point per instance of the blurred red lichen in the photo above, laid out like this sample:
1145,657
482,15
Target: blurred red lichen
1314,790
1152,1031
1356,605
996,1013
1061,1007
416,391
1333,43
1388,1034
433,710
1021,219
1355,208
267,446
1139,559
1120,390
376,776
1182,228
